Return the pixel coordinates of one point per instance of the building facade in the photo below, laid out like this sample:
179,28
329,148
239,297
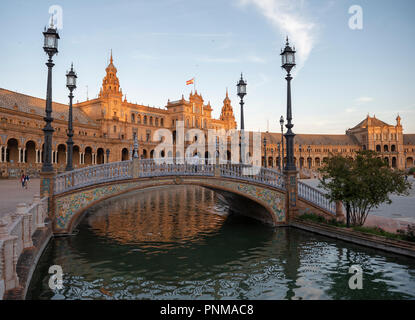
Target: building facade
104,130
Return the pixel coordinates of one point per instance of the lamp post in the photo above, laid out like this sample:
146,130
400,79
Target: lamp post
309,157
282,141
71,85
288,62
279,156
241,89
265,152
301,165
50,47
108,155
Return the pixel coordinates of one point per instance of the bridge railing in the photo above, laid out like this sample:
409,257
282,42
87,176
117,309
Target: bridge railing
114,171
158,168
92,175
316,197
260,175
16,231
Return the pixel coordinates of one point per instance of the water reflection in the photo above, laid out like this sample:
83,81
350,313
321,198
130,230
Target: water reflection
160,217
181,243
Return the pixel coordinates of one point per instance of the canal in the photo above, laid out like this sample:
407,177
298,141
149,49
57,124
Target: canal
184,242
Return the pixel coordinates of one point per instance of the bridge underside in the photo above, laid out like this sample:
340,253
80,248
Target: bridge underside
262,203
245,206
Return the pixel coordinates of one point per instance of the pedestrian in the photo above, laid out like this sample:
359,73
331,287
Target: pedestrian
22,180
26,178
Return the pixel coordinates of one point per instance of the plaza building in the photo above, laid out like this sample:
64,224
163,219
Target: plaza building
310,150
104,127
104,130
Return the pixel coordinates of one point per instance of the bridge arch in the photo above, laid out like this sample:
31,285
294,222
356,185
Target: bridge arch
262,188
262,210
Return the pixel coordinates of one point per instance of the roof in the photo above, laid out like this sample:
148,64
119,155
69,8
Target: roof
371,121
409,139
313,139
32,105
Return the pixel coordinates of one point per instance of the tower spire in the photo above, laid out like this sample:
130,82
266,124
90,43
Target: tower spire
111,57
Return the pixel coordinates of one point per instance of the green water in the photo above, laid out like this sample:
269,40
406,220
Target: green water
182,243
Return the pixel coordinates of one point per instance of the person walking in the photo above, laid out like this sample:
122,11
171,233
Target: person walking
22,180
26,178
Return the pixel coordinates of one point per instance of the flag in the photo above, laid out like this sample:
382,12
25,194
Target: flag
191,81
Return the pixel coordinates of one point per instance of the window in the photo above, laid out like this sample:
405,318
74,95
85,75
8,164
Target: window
133,118
162,122
115,128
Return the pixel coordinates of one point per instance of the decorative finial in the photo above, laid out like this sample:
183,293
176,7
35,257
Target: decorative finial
226,92
51,22
111,57
135,154
287,44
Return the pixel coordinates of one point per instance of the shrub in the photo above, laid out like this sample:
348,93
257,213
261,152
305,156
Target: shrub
409,233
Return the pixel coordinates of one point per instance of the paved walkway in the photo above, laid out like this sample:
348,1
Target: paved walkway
12,193
390,217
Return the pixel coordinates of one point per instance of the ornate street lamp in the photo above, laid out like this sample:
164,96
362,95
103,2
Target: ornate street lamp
241,89
309,157
301,165
279,156
282,140
50,47
288,62
71,85
265,152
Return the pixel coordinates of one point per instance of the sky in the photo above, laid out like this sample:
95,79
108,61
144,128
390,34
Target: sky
342,73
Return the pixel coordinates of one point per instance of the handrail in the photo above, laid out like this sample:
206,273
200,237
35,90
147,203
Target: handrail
16,232
316,197
91,175
115,171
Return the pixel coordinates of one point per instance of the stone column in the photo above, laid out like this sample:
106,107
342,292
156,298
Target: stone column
8,260
37,156
135,168
39,223
5,154
20,155
291,185
80,157
21,210
24,155
1,154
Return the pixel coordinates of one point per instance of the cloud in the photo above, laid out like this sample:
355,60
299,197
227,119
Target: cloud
364,99
289,18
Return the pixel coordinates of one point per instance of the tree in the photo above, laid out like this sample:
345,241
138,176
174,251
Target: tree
362,183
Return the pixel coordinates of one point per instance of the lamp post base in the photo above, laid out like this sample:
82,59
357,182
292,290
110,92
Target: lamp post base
292,193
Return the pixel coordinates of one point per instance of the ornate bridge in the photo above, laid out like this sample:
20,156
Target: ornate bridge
262,193
73,192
